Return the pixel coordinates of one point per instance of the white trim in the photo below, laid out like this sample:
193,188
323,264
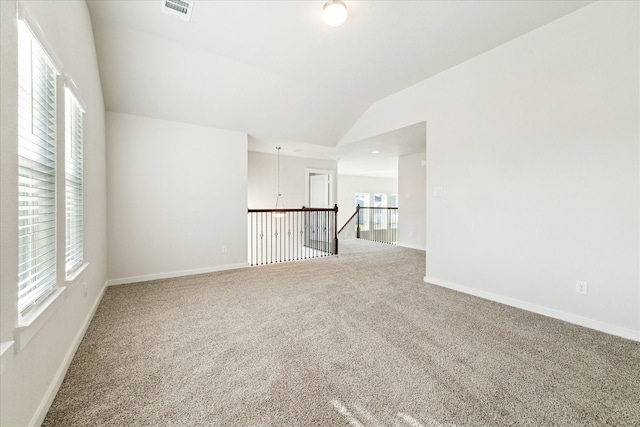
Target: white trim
172,274
76,273
4,349
598,325
332,182
71,86
404,245
29,325
50,394
36,30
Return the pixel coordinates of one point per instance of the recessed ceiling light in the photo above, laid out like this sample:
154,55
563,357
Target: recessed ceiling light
375,152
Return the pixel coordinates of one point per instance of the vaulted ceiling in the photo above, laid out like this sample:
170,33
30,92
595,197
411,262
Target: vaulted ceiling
273,69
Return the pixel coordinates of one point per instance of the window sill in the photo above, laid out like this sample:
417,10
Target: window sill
30,324
4,351
76,273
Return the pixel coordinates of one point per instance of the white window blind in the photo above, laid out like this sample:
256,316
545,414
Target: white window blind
73,183
37,171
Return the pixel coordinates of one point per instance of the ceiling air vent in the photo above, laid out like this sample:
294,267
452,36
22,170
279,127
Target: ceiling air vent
180,8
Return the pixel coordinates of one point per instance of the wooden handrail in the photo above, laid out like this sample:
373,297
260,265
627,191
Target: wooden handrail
350,218
380,224
358,207
303,209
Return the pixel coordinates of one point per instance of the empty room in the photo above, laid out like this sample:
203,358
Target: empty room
320,213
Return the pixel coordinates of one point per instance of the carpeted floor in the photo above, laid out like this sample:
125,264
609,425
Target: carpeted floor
357,340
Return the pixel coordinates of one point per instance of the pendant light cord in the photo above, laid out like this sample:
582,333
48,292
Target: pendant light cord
278,148
279,204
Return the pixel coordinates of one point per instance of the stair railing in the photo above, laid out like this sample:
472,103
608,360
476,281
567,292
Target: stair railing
281,235
378,224
350,229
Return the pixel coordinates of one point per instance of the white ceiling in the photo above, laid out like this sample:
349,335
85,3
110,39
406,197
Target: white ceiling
376,156
273,69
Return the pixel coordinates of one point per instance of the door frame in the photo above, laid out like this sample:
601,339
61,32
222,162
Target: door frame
332,182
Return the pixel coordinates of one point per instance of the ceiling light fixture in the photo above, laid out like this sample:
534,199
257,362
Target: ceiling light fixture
334,13
375,152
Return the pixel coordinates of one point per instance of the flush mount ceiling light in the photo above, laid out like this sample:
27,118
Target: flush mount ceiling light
334,13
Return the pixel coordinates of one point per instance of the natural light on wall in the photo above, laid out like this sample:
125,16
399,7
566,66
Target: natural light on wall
334,13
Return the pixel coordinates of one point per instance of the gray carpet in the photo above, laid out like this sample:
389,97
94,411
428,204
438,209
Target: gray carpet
353,340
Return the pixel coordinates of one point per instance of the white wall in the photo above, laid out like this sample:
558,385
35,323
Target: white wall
350,185
32,372
412,188
536,145
263,179
177,193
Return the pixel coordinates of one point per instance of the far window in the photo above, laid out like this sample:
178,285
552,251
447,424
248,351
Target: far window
380,215
362,200
73,184
394,212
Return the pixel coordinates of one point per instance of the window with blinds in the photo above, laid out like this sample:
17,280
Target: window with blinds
37,171
73,183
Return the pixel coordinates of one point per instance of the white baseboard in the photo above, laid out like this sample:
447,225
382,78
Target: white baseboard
404,245
170,275
539,309
50,395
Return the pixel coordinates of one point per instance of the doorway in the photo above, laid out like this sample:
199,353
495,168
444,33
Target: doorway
319,194
319,191
319,188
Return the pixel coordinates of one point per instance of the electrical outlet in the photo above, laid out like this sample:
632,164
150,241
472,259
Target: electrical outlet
84,282
224,249
581,287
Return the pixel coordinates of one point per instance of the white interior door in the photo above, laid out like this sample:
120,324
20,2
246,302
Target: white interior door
319,191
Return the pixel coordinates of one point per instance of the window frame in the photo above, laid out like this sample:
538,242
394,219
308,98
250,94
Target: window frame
394,204
364,213
38,144
74,181
380,215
